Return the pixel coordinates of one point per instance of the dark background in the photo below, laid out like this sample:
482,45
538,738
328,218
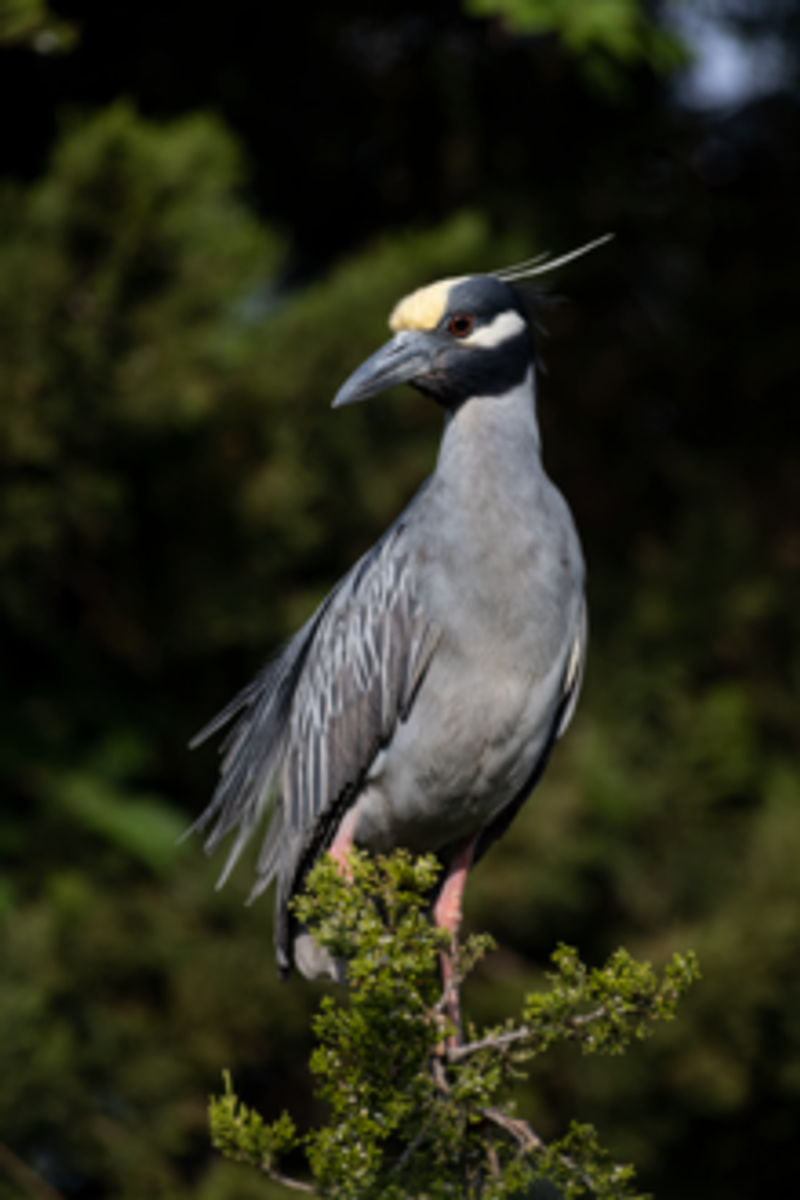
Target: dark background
205,216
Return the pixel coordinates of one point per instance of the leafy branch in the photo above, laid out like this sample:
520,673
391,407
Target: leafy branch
240,1134
628,998
412,1113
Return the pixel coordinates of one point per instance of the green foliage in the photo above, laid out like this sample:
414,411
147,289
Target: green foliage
116,1008
241,1135
120,276
606,1008
597,34
99,798
412,1110
31,23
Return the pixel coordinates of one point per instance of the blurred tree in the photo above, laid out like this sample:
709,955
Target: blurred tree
31,23
601,35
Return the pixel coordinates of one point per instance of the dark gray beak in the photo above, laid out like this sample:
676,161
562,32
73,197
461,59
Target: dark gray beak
402,360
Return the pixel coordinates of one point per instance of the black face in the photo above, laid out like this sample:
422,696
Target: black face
452,341
483,343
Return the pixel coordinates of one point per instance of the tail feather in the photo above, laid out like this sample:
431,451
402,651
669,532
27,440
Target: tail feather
252,755
241,700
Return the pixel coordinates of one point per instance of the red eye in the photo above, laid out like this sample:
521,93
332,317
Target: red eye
461,325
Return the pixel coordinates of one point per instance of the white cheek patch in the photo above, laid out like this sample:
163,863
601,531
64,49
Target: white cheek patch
505,325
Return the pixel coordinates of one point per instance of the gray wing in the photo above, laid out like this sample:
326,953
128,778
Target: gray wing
311,724
568,698
573,677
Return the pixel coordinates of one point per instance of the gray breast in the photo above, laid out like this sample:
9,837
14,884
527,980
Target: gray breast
500,572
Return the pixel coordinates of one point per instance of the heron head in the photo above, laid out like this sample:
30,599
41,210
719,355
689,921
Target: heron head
458,338
469,336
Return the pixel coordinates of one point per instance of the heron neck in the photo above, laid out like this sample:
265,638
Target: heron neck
492,438
486,512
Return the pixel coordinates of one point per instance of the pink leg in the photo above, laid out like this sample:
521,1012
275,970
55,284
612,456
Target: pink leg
447,915
342,843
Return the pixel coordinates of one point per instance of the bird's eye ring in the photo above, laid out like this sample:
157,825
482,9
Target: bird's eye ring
461,325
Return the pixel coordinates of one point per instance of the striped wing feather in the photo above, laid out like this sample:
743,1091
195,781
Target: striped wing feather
310,725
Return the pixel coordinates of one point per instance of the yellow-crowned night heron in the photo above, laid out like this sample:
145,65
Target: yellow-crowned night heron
419,704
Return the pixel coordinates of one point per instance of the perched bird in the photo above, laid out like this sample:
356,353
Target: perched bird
419,704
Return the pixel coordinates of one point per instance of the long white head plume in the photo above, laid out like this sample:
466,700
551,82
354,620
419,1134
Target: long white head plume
536,266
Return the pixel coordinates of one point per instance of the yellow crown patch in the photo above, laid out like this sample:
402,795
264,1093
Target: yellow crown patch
424,308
